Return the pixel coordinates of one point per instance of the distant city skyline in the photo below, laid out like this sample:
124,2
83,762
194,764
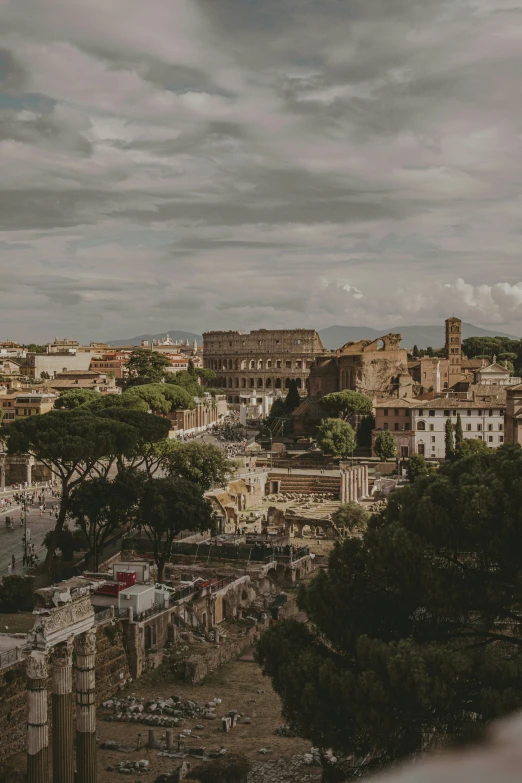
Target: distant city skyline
275,163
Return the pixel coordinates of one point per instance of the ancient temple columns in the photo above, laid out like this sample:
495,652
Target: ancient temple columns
354,483
63,744
85,707
2,472
37,727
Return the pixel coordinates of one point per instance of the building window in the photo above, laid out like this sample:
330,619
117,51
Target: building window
421,425
278,363
288,364
395,426
490,427
433,439
431,413
454,413
469,413
468,427
500,427
480,413
385,412
396,411
385,425
421,412
432,427
491,413
501,438
490,439
407,425
479,427
446,413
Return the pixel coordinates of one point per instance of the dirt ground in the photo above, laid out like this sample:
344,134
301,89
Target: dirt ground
240,685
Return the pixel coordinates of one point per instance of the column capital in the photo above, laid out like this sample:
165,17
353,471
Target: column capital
36,665
86,642
61,654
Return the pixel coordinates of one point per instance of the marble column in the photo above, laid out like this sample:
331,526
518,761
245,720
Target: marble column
37,726
2,472
29,470
63,743
365,481
353,486
85,707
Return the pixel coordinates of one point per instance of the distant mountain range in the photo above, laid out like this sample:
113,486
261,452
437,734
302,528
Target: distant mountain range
336,336
422,336
175,336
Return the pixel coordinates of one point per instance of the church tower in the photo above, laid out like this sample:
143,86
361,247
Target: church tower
454,350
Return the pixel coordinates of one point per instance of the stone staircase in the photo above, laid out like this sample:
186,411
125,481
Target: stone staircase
291,483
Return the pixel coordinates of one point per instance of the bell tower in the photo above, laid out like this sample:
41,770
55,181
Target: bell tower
453,350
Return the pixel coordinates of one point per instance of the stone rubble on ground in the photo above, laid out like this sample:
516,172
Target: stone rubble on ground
130,767
170,712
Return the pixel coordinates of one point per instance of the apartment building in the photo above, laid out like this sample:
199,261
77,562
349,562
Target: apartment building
419,427
20,405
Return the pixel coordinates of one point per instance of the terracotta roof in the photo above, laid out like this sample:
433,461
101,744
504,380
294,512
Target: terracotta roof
311,408
449,403
397,402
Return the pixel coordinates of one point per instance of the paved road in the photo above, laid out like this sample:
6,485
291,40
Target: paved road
11,540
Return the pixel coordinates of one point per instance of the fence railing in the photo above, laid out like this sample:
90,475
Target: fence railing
10,656
105,614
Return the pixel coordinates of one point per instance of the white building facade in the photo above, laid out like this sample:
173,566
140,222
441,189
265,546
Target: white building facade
419,427
478,422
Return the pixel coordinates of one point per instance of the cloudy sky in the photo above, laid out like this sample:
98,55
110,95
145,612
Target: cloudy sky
200,164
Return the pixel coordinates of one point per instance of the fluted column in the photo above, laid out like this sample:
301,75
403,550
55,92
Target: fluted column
353,493
63,744
365,481
85,708
37,726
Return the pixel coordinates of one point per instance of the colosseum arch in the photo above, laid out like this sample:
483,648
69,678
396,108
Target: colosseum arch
278,384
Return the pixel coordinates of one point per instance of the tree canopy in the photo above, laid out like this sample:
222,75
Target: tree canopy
100,506
415,629
501,347
16,594
163,397
76,397
385,446
345,404
146,366
336,437
351,516
201,463
71,443
151,433
166,507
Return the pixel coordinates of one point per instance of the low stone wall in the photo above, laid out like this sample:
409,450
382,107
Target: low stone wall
197,667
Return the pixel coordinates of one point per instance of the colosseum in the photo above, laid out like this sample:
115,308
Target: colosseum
261,362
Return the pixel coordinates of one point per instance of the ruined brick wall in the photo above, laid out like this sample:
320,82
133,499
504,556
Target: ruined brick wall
197,667
261,361
375,372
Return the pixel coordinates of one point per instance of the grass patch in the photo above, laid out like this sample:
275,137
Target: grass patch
21,622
